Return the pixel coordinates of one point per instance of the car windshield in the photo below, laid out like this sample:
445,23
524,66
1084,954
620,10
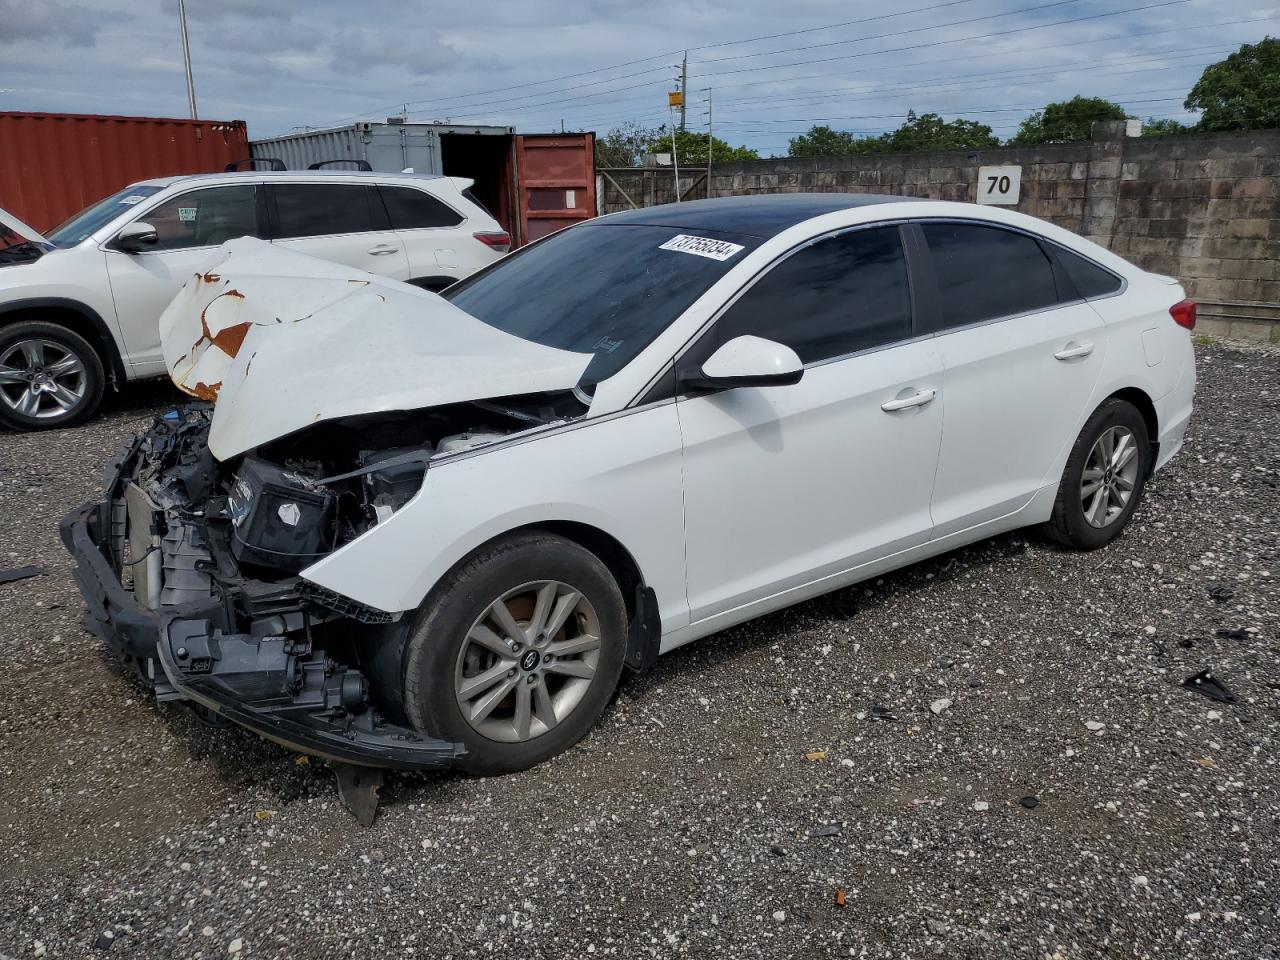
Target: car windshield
91,218
600,288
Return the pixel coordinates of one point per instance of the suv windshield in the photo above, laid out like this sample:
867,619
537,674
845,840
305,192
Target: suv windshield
93,217
599,288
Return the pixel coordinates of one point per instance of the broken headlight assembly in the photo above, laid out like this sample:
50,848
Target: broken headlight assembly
277,518
285,519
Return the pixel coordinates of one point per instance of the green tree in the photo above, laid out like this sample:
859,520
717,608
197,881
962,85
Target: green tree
691,148
1241,92
1065,121
1163,127
822,141
930,132
624,146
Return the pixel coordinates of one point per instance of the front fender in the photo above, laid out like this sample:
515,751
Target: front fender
618,474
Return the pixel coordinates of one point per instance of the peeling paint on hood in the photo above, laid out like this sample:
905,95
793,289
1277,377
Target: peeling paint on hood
279,341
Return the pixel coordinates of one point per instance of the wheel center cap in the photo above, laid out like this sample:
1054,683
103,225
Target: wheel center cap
530,660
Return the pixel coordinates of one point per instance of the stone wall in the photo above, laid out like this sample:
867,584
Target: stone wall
1203,208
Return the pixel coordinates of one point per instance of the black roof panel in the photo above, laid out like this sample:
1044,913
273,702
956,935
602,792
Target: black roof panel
760,215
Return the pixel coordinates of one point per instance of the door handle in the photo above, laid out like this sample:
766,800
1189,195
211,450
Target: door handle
917,399
382,249
1074,351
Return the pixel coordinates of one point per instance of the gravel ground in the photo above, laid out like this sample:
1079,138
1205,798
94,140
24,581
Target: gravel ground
728,797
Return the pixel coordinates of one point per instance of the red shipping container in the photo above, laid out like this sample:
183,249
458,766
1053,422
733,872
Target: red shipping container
53,165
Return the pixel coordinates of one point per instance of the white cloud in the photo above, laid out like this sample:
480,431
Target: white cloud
280,65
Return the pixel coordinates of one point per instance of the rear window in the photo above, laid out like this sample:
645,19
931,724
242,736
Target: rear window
601,289
1089,279
985,273
317,209
411,209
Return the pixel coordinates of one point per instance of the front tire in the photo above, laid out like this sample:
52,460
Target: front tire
516,653
50,376
1103,481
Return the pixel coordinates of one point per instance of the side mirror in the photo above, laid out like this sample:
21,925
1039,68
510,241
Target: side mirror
134,236
747,362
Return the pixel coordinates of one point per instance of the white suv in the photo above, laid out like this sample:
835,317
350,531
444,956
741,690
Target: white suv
81,306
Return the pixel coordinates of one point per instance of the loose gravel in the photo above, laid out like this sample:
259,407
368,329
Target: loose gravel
989,754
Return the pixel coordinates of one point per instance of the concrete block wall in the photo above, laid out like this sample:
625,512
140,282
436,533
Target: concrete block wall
1203,208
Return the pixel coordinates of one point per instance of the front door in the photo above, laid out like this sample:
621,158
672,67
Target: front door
190,227
795,485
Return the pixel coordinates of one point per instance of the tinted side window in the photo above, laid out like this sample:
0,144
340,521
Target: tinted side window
841,294
410,209
317,209
203,218
985,272
1089,279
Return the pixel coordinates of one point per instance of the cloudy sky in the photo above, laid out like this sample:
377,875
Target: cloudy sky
774,68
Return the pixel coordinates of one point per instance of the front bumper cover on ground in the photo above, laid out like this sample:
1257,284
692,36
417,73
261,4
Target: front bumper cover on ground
298,699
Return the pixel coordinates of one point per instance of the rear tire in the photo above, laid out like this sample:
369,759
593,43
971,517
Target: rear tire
545,694
50,376
1103,481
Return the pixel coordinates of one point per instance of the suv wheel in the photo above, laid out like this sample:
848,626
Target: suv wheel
516,653
1104,478
49,376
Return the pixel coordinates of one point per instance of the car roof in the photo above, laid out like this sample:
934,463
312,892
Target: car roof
282,175
759,215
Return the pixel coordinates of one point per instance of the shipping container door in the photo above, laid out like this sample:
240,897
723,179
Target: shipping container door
556,180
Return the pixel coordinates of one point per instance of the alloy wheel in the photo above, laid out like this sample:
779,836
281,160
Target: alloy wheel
41,379
1110,476
527,661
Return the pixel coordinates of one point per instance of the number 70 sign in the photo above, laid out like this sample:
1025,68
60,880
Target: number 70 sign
999,184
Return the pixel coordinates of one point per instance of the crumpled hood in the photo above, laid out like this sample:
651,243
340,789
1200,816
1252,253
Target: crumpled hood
279,341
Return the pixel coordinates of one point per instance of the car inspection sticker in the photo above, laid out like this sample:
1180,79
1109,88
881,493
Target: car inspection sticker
702,247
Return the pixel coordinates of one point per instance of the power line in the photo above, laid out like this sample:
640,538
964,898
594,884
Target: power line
672,53
559,103
942,43
896,33
603,97
878,92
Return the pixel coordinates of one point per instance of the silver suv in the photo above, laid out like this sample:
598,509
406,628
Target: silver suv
79,307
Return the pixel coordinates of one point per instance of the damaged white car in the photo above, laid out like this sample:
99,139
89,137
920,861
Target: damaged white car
407,531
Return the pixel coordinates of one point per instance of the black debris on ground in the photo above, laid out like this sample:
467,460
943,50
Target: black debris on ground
1155,835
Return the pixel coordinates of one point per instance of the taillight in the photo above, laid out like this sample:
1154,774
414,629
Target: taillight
498,240
1184,314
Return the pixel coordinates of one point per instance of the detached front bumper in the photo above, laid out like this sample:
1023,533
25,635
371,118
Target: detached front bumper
273,685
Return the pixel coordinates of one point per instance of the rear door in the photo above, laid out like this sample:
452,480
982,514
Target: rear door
557,182
342,222
1022,354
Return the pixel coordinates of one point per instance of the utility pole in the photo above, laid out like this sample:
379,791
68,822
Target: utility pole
684,85
186,58
710,143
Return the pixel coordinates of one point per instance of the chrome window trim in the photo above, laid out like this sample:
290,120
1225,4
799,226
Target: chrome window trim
764,271
964,221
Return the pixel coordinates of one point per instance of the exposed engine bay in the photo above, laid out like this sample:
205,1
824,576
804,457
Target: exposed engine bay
191,570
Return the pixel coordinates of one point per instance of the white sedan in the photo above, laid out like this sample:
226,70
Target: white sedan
416,530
